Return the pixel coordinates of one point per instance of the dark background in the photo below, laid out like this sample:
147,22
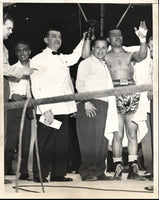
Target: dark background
32,19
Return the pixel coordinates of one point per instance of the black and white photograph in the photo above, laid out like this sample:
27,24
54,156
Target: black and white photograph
79,99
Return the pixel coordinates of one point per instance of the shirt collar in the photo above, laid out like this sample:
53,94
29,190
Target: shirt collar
19,63
48,50
96,60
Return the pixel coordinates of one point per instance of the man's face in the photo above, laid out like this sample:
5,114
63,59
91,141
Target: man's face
23,52
53,40
7,29
100,49
115,38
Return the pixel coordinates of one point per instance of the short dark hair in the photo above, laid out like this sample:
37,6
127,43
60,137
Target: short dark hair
7,17
111,29
22,42
46,34
99,39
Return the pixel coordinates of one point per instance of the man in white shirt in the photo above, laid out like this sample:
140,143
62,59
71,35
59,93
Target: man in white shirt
53,79
93,75
19,90
8,70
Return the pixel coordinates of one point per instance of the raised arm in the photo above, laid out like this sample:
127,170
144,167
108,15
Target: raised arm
86,46
141,34
82,50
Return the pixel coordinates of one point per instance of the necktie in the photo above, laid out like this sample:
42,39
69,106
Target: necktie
55,53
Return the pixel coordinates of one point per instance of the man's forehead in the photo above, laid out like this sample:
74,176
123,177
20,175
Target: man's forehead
22,46
101,42
54,32
8,23
115,31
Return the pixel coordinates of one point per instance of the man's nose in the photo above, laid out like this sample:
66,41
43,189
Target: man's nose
118,36
21,53
100,50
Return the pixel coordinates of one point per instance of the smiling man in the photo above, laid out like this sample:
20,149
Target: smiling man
53,79
19,90
8,70
93,75
120,64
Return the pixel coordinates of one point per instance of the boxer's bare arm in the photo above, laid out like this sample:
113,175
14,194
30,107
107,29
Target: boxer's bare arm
141,34
119,61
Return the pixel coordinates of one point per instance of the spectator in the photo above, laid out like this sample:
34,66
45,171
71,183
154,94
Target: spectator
91,116
8,70
19,90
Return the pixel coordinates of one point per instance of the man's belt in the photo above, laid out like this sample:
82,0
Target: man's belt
123,82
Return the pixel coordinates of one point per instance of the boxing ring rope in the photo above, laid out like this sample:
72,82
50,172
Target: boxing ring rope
64,98
82,96
20,143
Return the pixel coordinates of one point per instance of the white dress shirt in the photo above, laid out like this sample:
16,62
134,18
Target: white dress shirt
22,86
93,75
52,78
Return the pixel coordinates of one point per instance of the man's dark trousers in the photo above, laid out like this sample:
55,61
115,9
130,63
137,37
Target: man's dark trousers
12,139
53,148
93,144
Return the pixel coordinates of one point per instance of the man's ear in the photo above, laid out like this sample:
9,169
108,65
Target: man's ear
29,52
46,40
